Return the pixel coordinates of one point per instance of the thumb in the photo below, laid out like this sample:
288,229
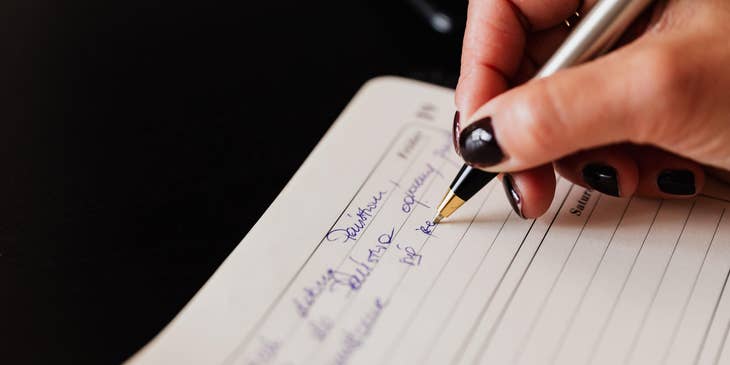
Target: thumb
617,98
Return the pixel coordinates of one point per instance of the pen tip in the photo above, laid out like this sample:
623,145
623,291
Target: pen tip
437,219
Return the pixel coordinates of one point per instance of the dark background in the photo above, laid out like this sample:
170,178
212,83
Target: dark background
141,139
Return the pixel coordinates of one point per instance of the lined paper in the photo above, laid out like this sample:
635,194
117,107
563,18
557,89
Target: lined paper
345,267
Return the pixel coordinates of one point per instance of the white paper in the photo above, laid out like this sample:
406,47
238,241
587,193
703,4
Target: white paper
344,268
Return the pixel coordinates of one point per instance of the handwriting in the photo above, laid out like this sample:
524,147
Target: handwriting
321,327
312,293
444,151
329,280
356,337
362,216
409,199
266,352
412,257
334,278
427,228
375,253
353,281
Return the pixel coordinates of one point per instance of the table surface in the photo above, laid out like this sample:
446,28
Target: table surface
141,140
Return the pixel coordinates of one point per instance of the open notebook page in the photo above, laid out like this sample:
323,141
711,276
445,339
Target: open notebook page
344,267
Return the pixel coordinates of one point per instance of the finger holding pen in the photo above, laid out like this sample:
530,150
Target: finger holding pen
504,43
624,123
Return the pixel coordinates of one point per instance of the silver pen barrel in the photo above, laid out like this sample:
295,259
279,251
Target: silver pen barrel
594,34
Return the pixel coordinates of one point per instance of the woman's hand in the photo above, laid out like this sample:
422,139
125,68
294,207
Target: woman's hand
648,118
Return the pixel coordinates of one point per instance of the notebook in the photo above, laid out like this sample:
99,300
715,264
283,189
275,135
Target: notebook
346,268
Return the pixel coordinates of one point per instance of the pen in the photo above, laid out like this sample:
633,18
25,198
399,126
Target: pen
594,35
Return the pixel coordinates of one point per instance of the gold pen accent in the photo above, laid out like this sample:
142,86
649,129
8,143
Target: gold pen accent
594,35
450,203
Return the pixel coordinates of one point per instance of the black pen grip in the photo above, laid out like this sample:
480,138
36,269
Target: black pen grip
469,181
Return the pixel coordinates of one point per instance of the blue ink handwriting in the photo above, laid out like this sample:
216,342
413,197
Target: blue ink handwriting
444,150
384,240
321,327
329,281
362,216
427,228
412,257
266,352
311,294
356,337
353,281
409,199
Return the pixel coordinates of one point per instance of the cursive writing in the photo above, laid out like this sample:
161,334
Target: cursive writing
356,337
427,228
411,257
444,150
361,218
353,279
329,281
266,352
321,327
311,293
384,240
409,198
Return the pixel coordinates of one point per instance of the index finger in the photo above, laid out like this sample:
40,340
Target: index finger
494,44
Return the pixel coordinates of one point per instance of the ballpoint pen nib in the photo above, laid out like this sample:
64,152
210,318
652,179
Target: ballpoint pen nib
437,219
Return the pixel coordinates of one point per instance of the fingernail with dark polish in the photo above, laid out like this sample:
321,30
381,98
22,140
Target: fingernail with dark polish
515,200
602,178
677,182
456,131
478,145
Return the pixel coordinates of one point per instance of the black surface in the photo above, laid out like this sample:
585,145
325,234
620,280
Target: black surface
141,139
